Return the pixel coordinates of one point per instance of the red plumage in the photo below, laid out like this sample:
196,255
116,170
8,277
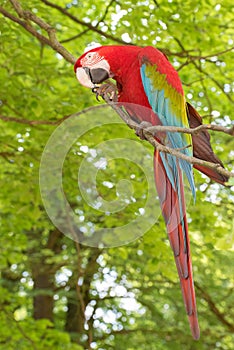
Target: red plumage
124,63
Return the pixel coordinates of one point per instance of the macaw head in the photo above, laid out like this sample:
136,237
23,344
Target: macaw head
103,62
92,68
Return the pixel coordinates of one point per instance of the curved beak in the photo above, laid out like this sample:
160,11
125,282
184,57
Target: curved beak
89,77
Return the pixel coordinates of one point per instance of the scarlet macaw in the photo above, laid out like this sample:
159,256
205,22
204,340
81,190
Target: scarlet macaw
145,77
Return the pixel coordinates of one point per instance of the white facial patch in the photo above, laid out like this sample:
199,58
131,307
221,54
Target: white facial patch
83,78
94,60
90,59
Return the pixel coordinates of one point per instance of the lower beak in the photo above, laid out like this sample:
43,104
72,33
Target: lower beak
98,75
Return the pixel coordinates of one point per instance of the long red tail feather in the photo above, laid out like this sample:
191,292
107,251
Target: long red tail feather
178,236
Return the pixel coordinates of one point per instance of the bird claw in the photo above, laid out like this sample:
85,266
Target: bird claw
140,131
107,91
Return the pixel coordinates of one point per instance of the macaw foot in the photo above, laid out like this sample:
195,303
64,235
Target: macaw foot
141,129
107,91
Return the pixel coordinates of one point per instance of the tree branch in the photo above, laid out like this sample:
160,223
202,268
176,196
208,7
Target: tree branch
28,17
32,122
23,332
151,129
213,307
88,25
191,58
229,131
48,122
102,19
75,36
148,135
213,79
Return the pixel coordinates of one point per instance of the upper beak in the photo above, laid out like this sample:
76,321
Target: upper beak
89,77
98,75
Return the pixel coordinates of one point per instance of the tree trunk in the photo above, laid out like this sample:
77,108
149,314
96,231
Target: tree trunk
43,277
43,302
74,316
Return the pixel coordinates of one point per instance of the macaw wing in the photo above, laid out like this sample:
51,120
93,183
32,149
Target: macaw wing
165,95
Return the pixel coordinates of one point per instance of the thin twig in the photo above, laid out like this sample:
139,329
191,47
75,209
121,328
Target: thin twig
32,122
88,25
102,19
46,121
199,57
192,131
214,308
212,55
75,36
213,79
23,332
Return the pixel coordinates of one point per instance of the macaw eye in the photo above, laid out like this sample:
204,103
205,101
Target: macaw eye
91,55
91,59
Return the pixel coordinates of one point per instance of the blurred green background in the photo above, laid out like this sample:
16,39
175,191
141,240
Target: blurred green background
126,297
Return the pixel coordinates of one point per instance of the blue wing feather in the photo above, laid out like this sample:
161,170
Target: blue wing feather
161,105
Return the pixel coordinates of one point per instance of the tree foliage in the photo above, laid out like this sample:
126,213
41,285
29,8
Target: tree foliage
126,297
